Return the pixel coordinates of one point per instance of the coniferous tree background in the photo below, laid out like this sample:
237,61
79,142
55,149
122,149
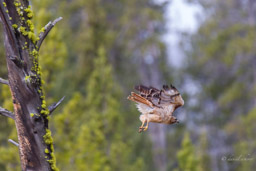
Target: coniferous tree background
102,48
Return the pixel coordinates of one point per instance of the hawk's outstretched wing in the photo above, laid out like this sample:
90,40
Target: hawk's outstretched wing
156,105
159,98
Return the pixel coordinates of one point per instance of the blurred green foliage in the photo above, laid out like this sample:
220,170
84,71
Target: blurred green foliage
89,58
186,156
222,60
93,57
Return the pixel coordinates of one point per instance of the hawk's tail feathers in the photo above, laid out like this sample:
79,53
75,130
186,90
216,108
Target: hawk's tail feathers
138,99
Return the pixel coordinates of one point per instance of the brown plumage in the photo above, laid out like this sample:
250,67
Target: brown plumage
156,105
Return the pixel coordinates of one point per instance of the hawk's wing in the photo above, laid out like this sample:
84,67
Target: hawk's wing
159,98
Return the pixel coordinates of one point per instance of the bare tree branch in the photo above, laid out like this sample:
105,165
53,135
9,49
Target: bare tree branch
3,81
47,28
55,105
7,113
13,142
8,27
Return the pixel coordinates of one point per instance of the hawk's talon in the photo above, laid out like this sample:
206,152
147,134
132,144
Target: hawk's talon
141,129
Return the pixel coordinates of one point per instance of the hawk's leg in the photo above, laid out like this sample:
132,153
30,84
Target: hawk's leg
146,120
145,128
142,125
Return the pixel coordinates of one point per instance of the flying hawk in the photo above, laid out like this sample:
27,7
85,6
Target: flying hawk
156,105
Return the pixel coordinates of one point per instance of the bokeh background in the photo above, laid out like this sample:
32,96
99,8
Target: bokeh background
102,48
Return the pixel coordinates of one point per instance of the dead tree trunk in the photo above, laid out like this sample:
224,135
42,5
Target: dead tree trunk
150,75
24,79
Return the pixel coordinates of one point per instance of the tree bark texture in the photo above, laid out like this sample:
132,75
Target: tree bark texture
24,76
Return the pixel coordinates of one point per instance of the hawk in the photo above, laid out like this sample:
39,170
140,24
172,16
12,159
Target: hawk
156,105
